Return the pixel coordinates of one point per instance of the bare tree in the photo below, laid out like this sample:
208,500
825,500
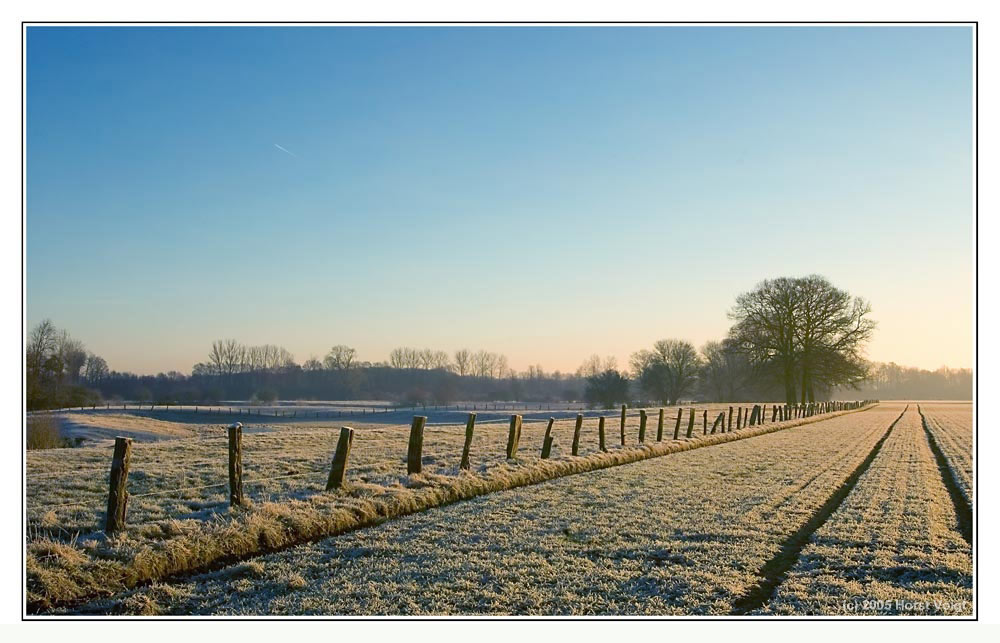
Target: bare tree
803,332
73,355
669,371
340,358
95,370
463,361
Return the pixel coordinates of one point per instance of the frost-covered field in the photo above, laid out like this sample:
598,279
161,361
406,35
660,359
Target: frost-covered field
951,425
186,479
683,534
891,548
69,561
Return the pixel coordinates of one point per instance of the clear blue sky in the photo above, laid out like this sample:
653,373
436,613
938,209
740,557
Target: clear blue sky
547,193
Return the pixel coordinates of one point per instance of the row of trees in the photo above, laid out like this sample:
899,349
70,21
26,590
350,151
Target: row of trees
797,339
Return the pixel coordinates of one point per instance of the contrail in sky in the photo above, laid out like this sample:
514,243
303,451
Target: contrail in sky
285,151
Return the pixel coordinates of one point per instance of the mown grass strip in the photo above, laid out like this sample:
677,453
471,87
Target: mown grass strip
775,570
963,510
60,576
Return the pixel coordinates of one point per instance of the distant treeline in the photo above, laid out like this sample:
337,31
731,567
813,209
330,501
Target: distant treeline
794,339
894,382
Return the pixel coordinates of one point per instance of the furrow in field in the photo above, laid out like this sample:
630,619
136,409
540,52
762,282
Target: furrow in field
950,427
892,547
963,508
662,536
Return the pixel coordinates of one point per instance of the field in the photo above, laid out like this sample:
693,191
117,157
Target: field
698,531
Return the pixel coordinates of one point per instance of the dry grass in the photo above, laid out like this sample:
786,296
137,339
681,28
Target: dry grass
43,433
683,534
894,543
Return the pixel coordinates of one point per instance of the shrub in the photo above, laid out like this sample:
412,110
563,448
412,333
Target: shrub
43,433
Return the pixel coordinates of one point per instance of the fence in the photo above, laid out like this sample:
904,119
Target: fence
745,416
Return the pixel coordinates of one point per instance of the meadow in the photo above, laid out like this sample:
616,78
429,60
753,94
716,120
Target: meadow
696,532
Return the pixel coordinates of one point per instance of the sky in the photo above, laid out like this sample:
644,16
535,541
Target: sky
543,192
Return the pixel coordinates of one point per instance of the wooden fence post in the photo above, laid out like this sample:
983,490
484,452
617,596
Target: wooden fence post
414,452
513,436
338,471
642,426
677,427
721,419
236,465
739,418
470,426
730,427
117,493
600,434
691,422
774,413
547,440
623,424
576,433
659,428
704,422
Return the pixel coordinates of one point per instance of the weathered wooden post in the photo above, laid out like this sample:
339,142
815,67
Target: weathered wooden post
600,433
730,427
623,424
415,451
470,426
721,419
739,418
576,433
547,440
704,422
691,423
513,436
659,427
117,493
677,427
753,416
642,426
338,471
235,465
774,412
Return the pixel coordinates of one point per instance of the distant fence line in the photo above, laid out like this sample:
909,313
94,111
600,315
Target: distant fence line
746,416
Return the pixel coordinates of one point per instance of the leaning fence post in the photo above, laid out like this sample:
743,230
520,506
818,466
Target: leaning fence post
470,426
720,419
642,426
691,422
659,427
600,434
547,440
339,469
117,493
235,465
576,433
677,427
513,436
414,452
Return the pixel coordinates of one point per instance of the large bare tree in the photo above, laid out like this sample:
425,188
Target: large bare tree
803,332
